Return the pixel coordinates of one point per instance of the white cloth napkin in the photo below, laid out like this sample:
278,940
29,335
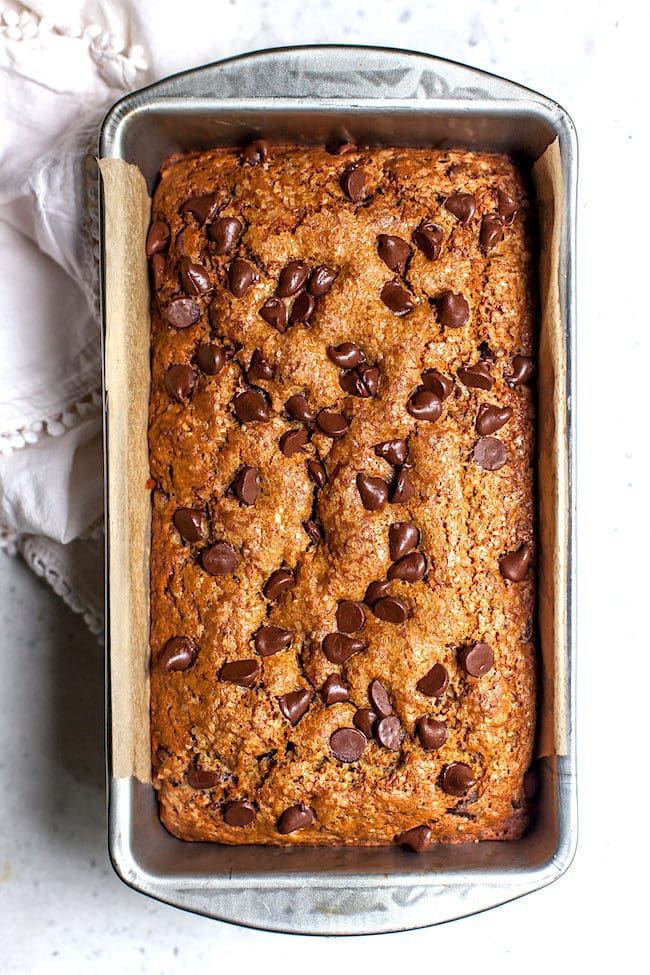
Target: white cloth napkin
62,64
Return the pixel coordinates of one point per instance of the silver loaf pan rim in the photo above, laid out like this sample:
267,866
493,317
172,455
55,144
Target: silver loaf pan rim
380,96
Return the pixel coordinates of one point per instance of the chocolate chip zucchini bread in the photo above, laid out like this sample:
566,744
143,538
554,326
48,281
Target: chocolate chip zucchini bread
341,441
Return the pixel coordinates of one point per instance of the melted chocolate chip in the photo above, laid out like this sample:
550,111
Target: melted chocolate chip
158,268
373,491
317,473
322,279
417,839
246,486
432,733
506,206
435,681
314,531
274,312
295,817
462,205
375,591
242,672
179,653
293,278
491,418
157,237
271,639
436,382
350,616
194,278
397,298
225,233
514,565
219,559
199,778
292,441
477,376
391,609
402,537
364,719
403,487
389,732
302,309
362,381
335,690
393,251
299,409
453,310
250,407
338,647
410,568
191,524
347,355
523,371
489,453
347,744
424,405
241,275
179,381
379,699
202,207
256,152
429,239
277,583
259,367
294,704
457,779
491,231
332,424
182,312
239,813
477,660
353,183
210,359
394,451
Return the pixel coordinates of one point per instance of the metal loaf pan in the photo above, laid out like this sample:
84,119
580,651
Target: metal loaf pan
379,97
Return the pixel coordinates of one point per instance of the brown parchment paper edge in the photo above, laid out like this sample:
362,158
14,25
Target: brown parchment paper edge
127,208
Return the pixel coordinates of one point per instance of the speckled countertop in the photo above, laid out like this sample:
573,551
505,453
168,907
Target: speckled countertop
61,907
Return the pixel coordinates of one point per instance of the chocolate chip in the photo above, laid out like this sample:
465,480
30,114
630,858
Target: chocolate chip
489,453
317,473
424,405
335,690
225,233
435,681
194,278
242,672
294,704
299,409
376,591
397,298
353,183
259,367
322,279
332,424
506,205
295,817
158,268
241,275
362,381
491,231
343,149
246,486
350,616
462,205
410,568
514,565
190,523
250,407
402,537
391,609
491,418
373,491
274,312
453,310
417,839
179,381
389,732
239,813
219,559
179,653
394,451
523,371
199,778
477,376
256,152
271,639
347,355
432,733
302,309
314,531
378,697
182,312
457,779
277,583
293,278
429,240
393,251
292,441
202,207
477,660
347,744
436,382
210,359
338,647
157,237
403,487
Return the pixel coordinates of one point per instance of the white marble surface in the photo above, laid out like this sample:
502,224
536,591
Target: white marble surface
61,907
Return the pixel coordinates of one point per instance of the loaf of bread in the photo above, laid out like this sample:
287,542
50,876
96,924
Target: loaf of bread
342,446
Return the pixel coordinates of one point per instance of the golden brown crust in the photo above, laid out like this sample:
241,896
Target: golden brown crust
293,207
